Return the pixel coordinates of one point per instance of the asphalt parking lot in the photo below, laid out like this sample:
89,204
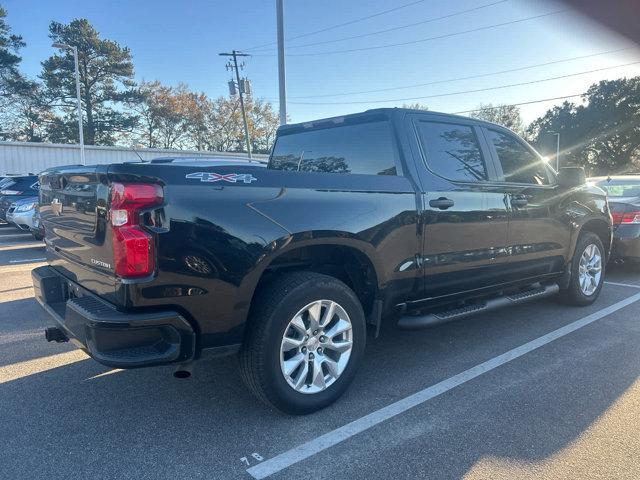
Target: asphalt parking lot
540,391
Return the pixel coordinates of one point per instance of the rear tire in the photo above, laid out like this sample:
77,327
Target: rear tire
281,335
587,271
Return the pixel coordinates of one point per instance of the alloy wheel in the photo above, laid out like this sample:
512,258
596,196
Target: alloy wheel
316,346
590,270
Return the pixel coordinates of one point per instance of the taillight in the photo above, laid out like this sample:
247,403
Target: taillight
626,218
133,253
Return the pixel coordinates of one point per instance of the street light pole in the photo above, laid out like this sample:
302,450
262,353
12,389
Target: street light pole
557,134
74,50
557,151
80,129
282,89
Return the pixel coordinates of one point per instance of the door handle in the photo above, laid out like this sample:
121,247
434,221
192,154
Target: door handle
519,201
442,203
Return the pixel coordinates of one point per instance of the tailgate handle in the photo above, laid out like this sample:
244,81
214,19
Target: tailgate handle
442,203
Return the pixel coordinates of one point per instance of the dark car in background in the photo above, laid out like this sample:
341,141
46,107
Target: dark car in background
624,202
16,188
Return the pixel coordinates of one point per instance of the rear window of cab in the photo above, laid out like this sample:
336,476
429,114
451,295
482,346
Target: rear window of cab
361,148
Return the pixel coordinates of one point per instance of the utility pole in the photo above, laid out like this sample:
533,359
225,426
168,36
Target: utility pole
282,89
233,65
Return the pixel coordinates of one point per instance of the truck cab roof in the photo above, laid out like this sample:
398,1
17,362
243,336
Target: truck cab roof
372,114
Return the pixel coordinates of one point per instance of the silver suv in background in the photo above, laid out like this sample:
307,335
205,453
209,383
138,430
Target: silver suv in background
21,213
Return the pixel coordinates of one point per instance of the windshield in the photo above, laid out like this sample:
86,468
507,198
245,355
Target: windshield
620,188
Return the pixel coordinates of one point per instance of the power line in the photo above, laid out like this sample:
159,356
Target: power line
435,82
468,91
350,22
393,29
523,103
422,40
529,102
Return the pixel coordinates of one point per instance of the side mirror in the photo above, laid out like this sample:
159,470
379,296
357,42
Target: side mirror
570,177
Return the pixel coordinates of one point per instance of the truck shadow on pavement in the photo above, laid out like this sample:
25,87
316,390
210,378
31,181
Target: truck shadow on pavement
527,410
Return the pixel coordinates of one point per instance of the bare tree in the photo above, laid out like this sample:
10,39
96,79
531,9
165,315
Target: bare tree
506,115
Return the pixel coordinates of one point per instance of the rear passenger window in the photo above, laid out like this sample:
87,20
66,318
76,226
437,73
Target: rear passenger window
452,151
519,164
365,148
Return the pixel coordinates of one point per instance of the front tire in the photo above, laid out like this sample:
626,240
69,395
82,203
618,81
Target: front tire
587,271
305,340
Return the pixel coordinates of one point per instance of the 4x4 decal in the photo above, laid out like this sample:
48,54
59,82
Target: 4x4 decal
211,177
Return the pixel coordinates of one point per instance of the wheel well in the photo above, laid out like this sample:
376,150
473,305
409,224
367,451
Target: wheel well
347,264
601,229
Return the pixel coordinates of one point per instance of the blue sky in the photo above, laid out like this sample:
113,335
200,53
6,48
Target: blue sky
178,41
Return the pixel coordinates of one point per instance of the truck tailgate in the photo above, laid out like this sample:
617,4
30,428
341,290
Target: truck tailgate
73,203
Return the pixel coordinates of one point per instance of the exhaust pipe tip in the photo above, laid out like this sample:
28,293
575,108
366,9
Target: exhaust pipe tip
183,371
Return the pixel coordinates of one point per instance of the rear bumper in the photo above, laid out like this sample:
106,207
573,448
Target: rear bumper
113,338
626,243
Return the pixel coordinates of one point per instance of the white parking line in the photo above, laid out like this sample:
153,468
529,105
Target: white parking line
16,371
617,284
18,268
334,437
28,260
11,235
22,246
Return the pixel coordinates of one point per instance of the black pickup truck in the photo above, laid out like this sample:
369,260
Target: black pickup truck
391,214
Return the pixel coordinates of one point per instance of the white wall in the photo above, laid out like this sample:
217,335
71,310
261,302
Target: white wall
25,157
